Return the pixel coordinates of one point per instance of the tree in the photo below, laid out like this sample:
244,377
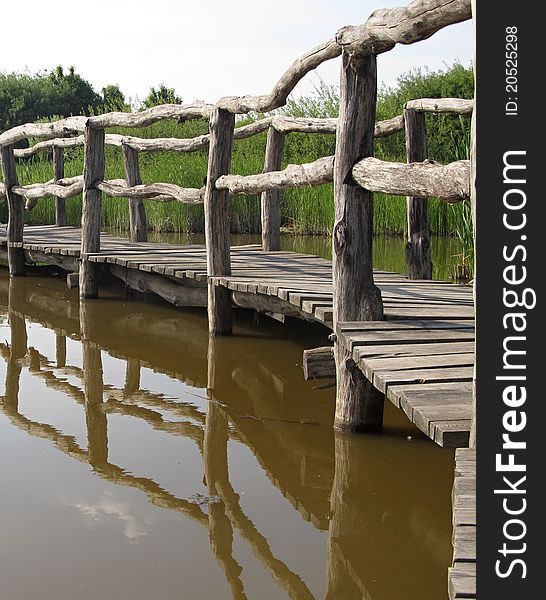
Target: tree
113,99
161,95
26,97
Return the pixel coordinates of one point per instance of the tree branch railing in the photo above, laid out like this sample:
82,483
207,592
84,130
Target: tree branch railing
352,168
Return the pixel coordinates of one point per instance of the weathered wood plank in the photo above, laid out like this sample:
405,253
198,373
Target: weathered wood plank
319,363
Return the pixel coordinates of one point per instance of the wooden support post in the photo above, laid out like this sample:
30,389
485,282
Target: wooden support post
16,213
217,232
95,417
137,210
359,407
418,261
93,171
271,208
60,350
60,203
132,377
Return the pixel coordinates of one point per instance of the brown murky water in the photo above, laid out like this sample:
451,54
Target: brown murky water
140,460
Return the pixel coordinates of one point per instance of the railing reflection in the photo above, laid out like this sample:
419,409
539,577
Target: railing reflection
247,401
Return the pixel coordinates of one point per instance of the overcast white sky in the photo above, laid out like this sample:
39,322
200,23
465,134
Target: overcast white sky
205,49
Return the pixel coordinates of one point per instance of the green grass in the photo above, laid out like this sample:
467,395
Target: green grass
304,210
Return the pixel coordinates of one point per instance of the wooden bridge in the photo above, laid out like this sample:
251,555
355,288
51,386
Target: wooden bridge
403,337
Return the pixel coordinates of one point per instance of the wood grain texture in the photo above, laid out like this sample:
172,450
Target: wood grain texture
293,176
319,363
152,115
300,67
217,232
355,296
447,182
16,213
58,173
43,130
459,106
93,171
418,259
387,27
137,211
270,201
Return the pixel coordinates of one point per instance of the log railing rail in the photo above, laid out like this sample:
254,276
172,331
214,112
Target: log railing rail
355,172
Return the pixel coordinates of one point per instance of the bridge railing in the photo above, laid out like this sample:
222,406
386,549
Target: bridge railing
354,171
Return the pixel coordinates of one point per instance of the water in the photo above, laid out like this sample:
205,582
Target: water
140,459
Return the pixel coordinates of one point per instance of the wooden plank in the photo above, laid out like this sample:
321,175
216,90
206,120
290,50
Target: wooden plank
400,350
401,337
461,585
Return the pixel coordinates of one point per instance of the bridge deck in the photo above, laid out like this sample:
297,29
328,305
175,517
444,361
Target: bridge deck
462,575
421,357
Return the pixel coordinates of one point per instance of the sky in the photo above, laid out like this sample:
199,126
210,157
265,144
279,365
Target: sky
205,49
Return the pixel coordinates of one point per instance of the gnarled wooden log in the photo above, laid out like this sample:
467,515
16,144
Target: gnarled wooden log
387,27
460,106
118,188
151,115
73,142
300,67
448,182
43,130
315,173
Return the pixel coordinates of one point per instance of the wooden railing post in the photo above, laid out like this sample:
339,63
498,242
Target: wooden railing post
60,203
16,213
93,171
356,298
137,211
418,261
271,208
217,231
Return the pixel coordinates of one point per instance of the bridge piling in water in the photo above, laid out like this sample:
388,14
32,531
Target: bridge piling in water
355,296
16,213
217,234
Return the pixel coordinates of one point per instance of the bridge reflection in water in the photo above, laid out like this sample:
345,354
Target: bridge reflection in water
357,516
